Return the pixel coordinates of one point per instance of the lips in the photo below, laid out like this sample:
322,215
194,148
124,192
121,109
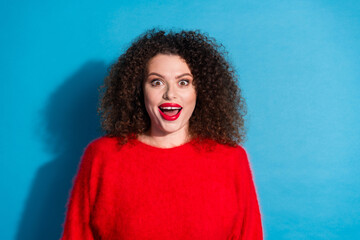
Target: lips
170,111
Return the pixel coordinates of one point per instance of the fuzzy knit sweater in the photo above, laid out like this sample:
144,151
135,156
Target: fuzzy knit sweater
137,191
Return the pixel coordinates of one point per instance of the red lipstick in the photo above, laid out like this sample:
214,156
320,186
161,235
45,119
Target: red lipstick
170,111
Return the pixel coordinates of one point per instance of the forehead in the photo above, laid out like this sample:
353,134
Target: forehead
167,63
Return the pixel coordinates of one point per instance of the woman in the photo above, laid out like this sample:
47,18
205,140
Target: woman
169,166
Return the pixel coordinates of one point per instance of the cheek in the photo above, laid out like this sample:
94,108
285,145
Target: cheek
151,100
191,98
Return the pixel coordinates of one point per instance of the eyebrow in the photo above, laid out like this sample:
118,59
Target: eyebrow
180,76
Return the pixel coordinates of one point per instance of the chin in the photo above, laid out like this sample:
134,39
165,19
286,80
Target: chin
169,127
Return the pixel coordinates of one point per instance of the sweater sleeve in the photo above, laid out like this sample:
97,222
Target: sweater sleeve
250,227
77,219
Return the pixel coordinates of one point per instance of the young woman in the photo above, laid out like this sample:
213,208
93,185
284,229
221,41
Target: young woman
169,166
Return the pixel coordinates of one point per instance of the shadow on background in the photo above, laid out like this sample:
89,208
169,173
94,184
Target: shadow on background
70,122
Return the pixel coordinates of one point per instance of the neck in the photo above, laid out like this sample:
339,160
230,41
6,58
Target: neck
165,140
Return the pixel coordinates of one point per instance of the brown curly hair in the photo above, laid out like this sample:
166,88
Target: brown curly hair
220,108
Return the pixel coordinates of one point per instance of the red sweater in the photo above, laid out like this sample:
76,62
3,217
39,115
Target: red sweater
138,191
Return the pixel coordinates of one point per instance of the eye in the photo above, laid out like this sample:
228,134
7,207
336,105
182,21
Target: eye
156,82
184,82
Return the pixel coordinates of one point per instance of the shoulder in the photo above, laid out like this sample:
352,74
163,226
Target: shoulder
99,151
103,143
237,150
238,154
225,152
109,147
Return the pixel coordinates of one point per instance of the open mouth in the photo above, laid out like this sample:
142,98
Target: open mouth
170,111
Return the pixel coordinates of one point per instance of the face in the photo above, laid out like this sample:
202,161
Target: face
169,94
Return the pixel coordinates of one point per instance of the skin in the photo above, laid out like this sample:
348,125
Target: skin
168,80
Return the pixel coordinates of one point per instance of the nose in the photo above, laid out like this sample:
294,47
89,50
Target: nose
170,92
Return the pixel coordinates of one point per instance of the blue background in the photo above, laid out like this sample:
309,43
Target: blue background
298,63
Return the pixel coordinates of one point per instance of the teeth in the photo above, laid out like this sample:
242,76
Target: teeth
171,108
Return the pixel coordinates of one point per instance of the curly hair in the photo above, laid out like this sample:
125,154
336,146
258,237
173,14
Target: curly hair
220,108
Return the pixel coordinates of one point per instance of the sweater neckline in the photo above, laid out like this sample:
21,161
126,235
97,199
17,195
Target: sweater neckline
154,148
